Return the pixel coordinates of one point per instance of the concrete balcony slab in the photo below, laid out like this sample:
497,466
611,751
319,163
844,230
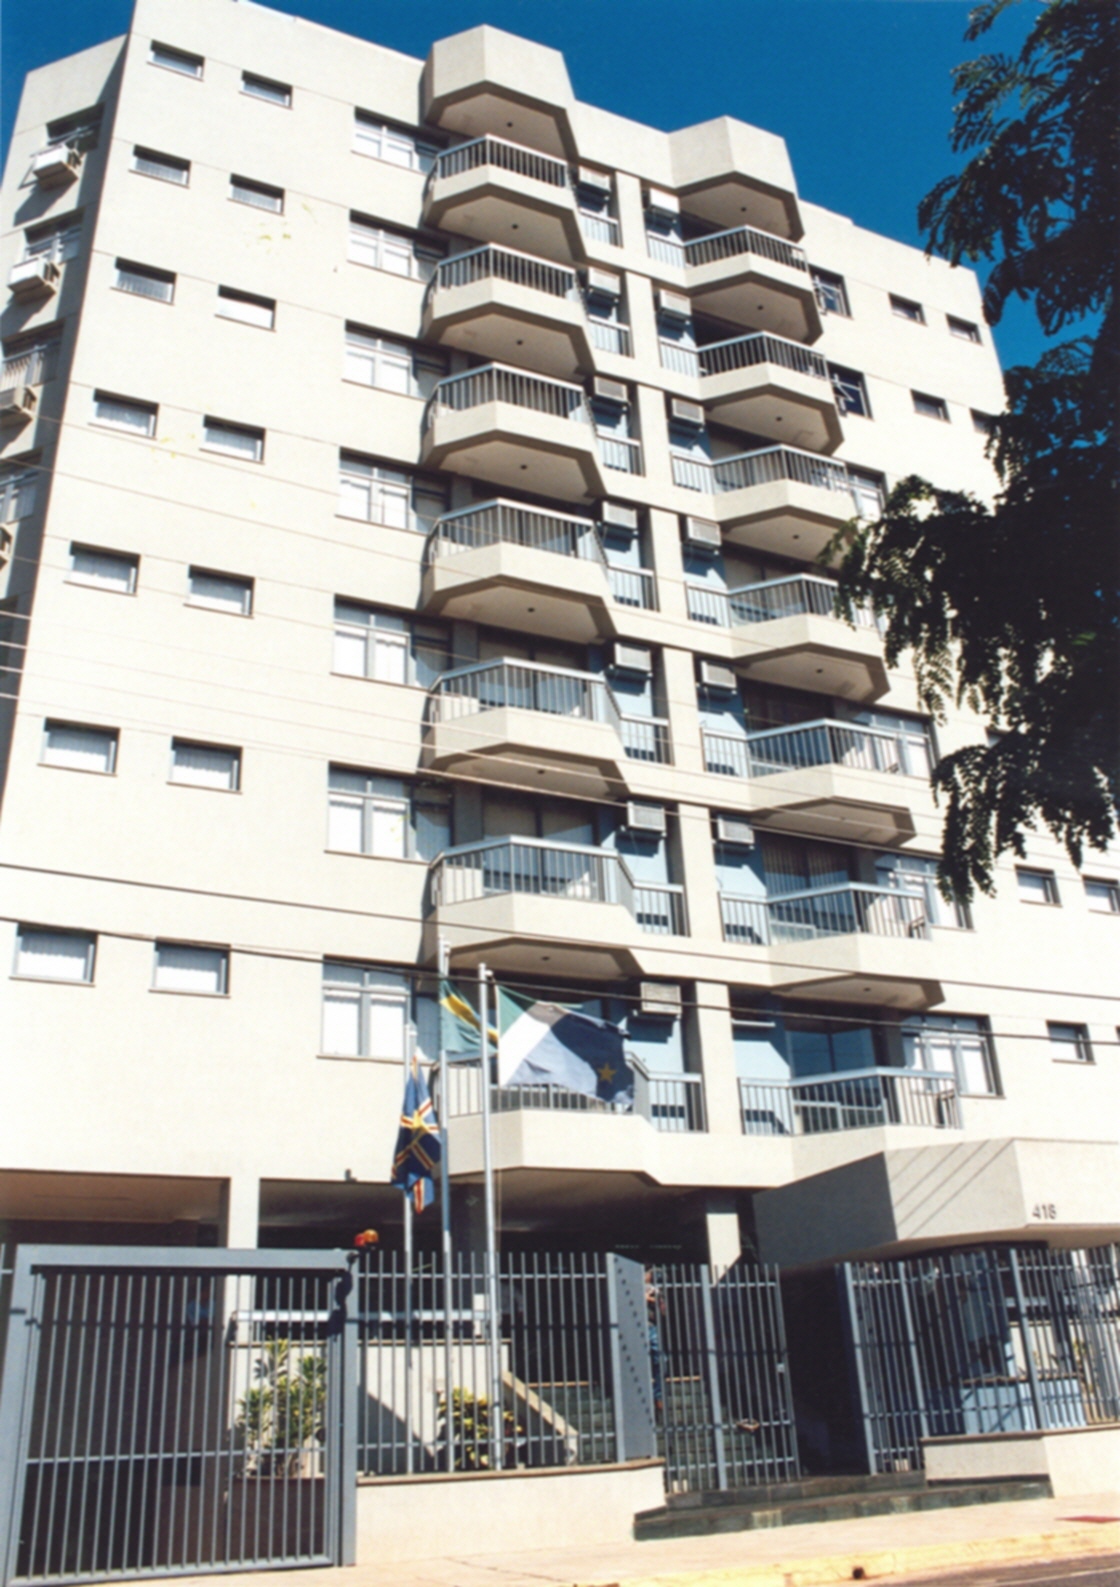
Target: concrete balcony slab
517,447
808,651
537,749
513,586
514,323
782,404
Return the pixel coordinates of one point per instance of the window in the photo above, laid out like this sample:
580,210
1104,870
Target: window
366,1008
220,592
205,765
389,496
80,748
181,968
79,131
917,873
59,241
370,642
953,1044
983,423
965,329
246,307
17,491
265,88
397,252
832,294
907,309
144,281
869,491
30,360
122,413
103,570
930,407
1037,887
391,365
235,440
258,194
1069,1043
394,144
165,166
850,390
386,816
55,955
1102,894
176,60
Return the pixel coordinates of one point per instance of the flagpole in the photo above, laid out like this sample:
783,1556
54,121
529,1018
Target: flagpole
409,1049
495,1320
445,1200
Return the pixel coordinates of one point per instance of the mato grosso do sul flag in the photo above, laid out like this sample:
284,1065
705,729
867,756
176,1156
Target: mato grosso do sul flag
546,1044
417,1152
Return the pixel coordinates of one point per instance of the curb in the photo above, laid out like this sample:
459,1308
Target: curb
888,1564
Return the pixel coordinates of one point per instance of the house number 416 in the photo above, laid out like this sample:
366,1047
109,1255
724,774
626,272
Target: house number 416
1045,1211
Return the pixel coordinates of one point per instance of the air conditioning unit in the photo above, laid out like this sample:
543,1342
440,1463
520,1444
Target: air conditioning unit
702,534
661,202
17,403
613,515
675,304
614,391
662,999
734,832
587,176
55,167
33,278
604,283
631,658
645,818
717,679
690,413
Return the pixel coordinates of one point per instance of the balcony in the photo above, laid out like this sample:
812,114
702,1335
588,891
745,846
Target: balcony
538,722
772,387
522,430
501,192
674,1103
521,903
830,779
753,278
497,564
778,499
787,631
858,1100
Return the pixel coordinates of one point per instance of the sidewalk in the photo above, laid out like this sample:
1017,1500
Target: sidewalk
884,1549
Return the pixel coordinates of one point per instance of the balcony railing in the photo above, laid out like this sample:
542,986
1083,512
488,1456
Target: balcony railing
668,1102
600,228
633,587
680,360
646,738
506,156
511,523
860,1099
802,594
505,264
825,912
666,250
610,338
559,399
745,240
27,369
618,452
819,743
763,467
741,352
538,868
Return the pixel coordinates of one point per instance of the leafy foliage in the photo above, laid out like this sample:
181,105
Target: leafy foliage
1015,608
283,1417
469,1430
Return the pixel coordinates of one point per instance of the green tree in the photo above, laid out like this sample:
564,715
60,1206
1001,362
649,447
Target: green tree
1015,608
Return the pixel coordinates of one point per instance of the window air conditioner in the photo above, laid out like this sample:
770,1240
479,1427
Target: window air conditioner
17,403
674,304
645,817
615,516
734,832
717,679
56,166
604,390
661,202
631,658
604,283
662,999
586,176
33,278
702,534
690,413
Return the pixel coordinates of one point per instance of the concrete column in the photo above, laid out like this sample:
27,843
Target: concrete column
631,211
697,870
712,1034
665,555
241,1211
652,427
679,674
721,1222
643,319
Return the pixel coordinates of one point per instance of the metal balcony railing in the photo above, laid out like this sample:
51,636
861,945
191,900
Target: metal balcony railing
668,1102
619,452
559,399
505,264
763,467
633,587
826,912
647,738
30,368
745,240
819,743
802,594
610,338
512,523
569,871
600,228
680,360
666,250
524,686
506,156
741,352
859,1099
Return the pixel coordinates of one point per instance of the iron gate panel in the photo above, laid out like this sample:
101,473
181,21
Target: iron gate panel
721,1377
166,1412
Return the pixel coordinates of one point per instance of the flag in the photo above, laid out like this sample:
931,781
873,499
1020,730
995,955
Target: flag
418,1145
546,1044
459,1025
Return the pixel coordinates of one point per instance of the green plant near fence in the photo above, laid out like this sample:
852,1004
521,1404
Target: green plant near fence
281,1420
470,1431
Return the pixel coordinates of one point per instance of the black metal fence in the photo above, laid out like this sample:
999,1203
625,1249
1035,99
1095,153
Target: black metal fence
991,1340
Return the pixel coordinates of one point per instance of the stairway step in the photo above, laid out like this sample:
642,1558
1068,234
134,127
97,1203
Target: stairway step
801,1488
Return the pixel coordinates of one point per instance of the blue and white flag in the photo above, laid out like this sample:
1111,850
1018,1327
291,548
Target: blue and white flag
546,1044
460,1027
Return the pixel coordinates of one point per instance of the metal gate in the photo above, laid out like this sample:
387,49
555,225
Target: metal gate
721,1377
171,1411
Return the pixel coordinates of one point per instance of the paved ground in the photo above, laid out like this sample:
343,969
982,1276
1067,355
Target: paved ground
1058,1573
974,1545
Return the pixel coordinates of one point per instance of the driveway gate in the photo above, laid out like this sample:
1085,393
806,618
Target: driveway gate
171,1411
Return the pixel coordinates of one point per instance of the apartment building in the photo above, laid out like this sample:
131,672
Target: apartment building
413,484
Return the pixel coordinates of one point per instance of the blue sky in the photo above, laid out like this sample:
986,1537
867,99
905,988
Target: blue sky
860,89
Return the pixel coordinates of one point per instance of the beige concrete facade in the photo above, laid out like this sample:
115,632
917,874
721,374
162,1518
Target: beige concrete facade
233,273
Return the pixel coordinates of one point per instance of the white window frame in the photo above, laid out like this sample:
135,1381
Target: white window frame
366,991
57,242
257,195
845,380
108,738
226,752
169,59
1025,874
388,363
927,406
382,806
387,642
45,934
907,309
1110,892
1074,1047
224,436
125,269
163,957
267,89
831,292
108,400
254,310
380,140
161,167
963,330
196,596
396,253
982,423
376,493
924,1035
91,582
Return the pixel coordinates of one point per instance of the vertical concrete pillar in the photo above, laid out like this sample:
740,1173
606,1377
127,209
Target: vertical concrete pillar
679,673
721,1222
241,1212
712,1028
698,871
